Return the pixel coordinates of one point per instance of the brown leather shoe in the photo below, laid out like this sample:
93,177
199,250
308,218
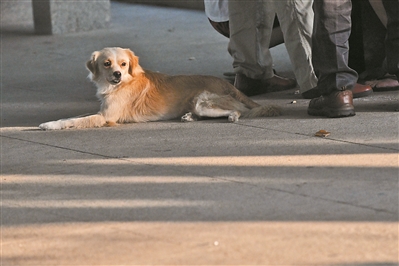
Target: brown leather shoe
359,90
336,104
386,84
251,87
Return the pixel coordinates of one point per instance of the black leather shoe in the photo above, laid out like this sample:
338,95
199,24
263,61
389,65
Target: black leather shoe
278,83
336,104
248,86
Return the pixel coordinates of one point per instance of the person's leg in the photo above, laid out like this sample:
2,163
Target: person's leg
392,39
251,26
249,48
332,27
373,27
296,21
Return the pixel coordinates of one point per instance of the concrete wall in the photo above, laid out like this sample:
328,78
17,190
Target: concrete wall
65,16
56,16
15,12
191,4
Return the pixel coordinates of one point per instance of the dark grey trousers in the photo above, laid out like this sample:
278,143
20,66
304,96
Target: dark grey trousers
392,38
330,45
331,31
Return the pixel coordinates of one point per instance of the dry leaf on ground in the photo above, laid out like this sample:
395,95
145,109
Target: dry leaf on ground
322,133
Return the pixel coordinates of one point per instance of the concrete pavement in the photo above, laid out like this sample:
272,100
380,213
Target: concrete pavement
260,191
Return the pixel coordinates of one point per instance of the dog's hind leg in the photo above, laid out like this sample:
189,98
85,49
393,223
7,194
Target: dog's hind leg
213,105
189,117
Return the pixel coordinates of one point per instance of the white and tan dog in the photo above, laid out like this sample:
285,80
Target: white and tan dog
128,93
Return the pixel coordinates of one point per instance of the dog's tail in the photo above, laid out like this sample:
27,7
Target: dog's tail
262,111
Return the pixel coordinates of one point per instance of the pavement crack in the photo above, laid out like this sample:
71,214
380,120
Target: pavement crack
304,195
63,148
326,139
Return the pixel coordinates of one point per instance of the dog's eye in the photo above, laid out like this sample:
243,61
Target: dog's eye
123,64
107,64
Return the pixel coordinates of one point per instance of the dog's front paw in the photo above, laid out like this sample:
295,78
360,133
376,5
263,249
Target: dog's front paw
53,125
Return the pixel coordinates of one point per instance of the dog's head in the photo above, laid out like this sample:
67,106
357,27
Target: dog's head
113,66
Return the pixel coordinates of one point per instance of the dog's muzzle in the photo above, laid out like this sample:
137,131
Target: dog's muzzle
117,75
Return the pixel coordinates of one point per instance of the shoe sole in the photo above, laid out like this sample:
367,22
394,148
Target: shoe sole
332,113
307,95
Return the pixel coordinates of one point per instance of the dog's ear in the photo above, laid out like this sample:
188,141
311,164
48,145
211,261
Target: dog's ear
134,67
92,63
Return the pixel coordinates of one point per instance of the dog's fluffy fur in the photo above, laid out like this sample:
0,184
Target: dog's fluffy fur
128,93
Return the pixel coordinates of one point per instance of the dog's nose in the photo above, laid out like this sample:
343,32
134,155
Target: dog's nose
117,74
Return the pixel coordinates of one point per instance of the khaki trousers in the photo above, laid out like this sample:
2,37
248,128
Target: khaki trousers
251,24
